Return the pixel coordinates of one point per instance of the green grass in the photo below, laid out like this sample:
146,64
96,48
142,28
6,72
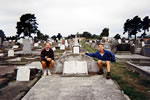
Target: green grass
133,85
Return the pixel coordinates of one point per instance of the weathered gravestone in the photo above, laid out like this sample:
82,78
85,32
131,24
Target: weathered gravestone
23,74
11,53
36,44
76,49
0,41
54,49
146,49
59,64
27,46
62,47
15,47
75,68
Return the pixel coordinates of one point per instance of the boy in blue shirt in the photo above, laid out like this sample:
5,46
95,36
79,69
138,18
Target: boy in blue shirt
104,56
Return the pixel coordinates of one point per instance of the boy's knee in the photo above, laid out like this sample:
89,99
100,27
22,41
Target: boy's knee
99,61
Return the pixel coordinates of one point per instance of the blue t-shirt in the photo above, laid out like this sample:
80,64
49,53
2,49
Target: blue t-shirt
107,56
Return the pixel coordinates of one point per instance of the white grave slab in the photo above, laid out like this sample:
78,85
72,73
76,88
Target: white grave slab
23,74
76,49
75,67
62,47
11,53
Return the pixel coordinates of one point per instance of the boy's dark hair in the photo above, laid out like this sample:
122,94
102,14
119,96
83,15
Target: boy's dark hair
101,44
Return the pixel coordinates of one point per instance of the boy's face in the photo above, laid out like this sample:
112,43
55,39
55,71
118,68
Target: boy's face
101,47
47,46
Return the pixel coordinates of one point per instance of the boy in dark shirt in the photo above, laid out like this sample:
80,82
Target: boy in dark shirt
47,59
104,56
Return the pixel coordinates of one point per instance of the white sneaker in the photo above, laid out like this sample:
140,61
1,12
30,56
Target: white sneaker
44,73
49,72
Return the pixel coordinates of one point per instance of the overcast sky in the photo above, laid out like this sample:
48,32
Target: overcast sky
72,16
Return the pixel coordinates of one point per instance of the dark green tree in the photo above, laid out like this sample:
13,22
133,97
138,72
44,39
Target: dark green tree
145,25
54,37
59,36
133,26
27,25
117,36
87,35
105,32
2,35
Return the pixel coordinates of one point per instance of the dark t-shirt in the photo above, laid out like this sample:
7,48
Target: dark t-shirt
47,54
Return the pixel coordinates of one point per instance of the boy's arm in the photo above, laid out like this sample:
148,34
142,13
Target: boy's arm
91,54
42,56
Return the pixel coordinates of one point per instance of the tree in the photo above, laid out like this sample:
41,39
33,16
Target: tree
117,36
105,32
54,37
59,36
27,25
145,25
2,35
133,26
87,35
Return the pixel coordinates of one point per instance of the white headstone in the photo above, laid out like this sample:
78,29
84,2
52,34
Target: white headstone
75,67
21,41
1,54
36,44
54,49
66,43
119,41
10,53
62,47
15,47
27,46
143,43
23,74
76,49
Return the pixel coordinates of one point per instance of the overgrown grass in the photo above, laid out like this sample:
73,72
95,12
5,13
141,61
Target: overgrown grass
133,85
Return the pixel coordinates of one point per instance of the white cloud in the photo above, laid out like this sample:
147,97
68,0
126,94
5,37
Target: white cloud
71,16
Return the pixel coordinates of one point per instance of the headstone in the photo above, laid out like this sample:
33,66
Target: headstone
54,49
21,41
23,74
143,43
76,49
36,44
148,42
15,47
10,53
62,47
5,43
119,41
27,46
1,54
66,43
0,41
75,67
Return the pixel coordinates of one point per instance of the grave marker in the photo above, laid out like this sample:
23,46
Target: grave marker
75,67
23,74
11,53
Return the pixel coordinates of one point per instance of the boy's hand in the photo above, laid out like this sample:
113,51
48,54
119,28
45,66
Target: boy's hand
48,59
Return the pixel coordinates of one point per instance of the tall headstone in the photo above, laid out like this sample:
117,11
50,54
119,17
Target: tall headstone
27,46
11,53
62,47
76,46
0,41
